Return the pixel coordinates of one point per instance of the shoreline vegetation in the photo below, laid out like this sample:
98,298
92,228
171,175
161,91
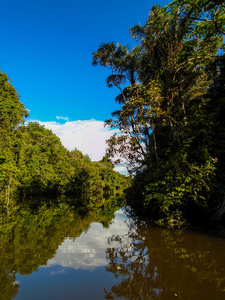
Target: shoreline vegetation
171,92
171,118
34,163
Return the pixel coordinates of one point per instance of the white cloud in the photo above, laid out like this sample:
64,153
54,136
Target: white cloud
88,136
88,251
121,169
62,118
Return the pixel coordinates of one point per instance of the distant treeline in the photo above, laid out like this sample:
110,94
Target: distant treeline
33,161
172,111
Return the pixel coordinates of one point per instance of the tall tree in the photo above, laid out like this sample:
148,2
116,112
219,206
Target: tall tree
164,120
12,114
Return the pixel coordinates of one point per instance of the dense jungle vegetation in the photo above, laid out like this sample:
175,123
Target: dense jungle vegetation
34,163
172,106
171,118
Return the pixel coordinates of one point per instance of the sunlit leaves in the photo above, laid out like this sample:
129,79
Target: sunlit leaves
165,119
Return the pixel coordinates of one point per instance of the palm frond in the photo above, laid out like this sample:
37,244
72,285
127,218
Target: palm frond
116,113
115,80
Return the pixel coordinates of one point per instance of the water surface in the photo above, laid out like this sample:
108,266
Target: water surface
123,258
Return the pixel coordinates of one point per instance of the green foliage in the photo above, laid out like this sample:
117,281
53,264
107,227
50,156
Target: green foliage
185,185
48,168
12,114
34,162
171,123
45,162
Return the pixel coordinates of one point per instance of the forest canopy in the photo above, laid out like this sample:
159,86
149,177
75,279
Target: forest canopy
171,95
33,162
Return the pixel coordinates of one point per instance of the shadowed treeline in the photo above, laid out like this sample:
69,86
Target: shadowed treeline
171,114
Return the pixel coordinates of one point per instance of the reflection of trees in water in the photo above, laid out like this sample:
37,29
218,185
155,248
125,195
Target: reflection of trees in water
30,238
157,263
8,286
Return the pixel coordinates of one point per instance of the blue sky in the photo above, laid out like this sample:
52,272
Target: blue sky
46,50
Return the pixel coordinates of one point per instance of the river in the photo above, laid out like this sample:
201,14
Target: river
115,258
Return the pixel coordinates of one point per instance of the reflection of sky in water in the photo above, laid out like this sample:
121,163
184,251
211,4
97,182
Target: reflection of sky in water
88,251
78,269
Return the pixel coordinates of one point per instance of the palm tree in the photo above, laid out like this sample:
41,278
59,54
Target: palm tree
123,63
